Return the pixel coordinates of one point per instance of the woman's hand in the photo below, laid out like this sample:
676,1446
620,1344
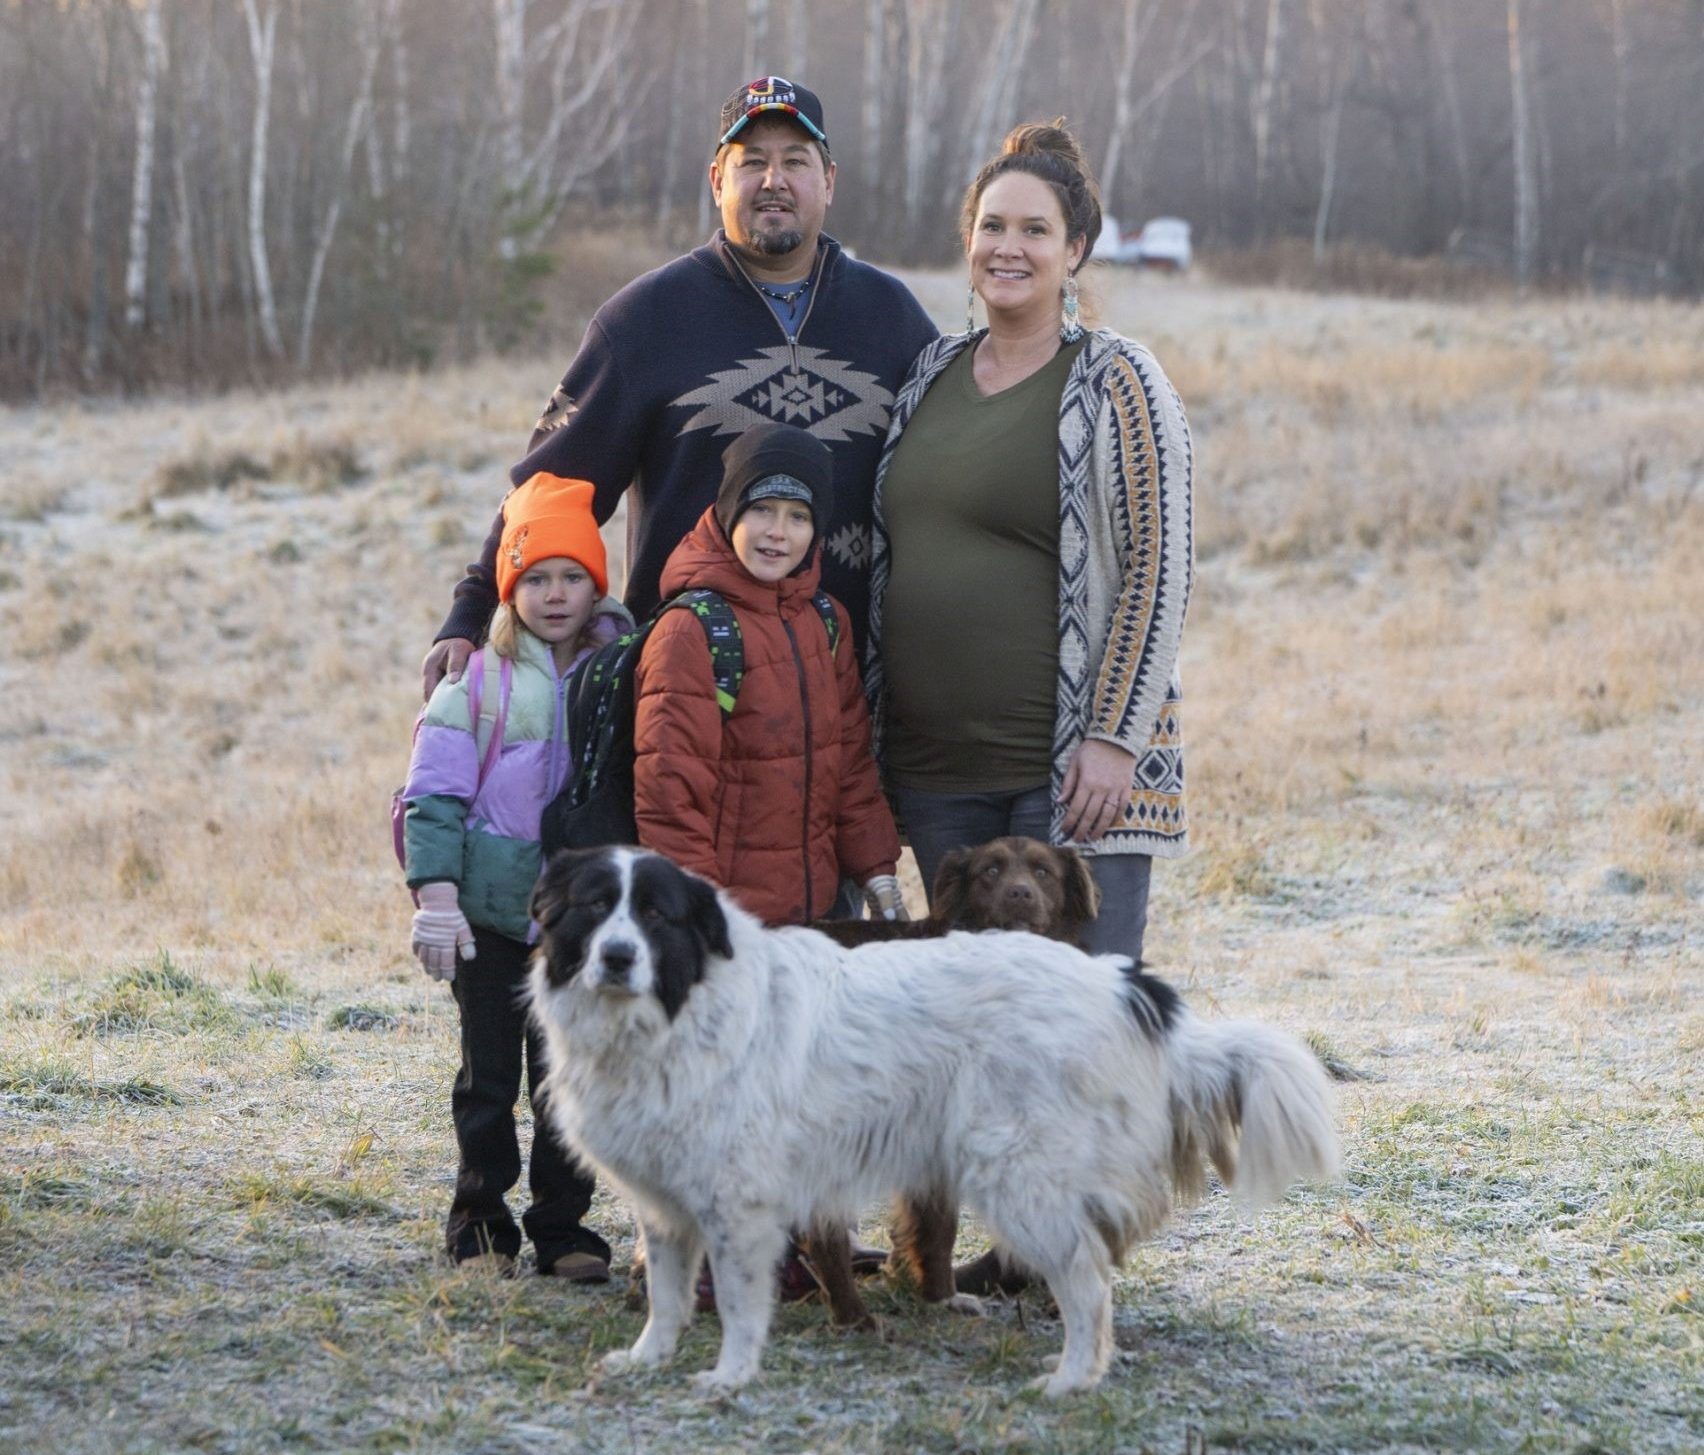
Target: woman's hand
1096,788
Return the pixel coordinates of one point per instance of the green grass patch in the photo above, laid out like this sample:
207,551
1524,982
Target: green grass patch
257,1191
305,1061
1664,1194
363,1018
271,983
40,1190
50,1084
156,996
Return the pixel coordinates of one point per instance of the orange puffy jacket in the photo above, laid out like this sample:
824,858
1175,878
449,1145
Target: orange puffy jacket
782,799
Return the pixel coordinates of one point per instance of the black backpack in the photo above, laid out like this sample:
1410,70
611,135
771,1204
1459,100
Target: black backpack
595,806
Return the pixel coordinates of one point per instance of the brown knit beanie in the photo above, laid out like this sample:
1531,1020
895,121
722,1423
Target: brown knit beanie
776,462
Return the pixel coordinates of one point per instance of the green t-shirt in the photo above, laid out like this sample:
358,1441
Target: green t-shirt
970,621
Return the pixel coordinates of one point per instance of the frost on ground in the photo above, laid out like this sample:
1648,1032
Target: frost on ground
1444,679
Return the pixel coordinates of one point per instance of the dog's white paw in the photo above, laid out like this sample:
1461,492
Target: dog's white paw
967,1304
618,1361
715,1382
1057,1385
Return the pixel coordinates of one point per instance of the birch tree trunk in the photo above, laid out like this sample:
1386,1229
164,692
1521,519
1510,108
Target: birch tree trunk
875,91
1336,52
704,198
1127,55
95,231
930,25
142,185
1619,47
263,35
1177,64
798,38
1265,97
537,179
669,184
1526,175
509,19
997,89
756,40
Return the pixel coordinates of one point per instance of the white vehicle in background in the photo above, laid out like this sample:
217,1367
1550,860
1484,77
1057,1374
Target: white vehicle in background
1161,242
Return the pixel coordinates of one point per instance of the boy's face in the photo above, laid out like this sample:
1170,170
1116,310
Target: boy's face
554,599
771,537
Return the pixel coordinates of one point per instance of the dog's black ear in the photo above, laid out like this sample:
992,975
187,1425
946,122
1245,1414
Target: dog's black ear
952,886
556,876
704,914
546,904
1082,894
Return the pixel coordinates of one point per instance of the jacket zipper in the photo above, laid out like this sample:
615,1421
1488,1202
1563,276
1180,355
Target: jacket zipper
805,704
810,301
559,754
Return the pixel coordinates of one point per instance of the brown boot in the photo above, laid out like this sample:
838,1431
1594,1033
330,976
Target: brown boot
577,1267
991,1274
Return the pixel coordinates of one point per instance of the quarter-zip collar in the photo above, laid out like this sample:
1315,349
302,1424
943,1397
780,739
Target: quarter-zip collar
827,254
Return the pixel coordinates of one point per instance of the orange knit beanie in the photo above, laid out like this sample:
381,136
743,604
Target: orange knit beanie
546,517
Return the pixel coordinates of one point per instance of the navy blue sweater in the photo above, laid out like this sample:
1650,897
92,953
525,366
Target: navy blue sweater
682,360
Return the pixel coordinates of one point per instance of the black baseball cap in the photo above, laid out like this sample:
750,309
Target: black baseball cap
771,93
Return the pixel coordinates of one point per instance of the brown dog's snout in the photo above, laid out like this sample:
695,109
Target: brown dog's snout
1019,891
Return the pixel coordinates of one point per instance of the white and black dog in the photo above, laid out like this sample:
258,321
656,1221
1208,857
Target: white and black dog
734,1082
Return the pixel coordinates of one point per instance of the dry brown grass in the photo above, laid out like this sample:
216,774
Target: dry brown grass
1444,695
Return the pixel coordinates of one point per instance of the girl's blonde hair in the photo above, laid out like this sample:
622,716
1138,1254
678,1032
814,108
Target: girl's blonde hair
504,636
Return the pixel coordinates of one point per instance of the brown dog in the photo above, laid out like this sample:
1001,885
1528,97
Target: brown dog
1005,884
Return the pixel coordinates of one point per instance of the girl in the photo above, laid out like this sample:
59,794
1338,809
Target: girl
471,840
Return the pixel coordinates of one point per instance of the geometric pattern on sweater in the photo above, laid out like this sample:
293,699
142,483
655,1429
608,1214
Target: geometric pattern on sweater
788,384
804,387
1126,554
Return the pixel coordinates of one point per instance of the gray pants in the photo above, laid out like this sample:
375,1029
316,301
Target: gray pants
937,823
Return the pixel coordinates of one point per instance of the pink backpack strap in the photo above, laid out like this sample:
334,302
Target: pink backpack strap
505,676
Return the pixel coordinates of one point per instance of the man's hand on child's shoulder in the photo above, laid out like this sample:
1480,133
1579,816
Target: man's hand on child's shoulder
446,659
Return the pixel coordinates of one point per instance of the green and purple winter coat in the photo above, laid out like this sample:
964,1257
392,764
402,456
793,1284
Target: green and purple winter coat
483,837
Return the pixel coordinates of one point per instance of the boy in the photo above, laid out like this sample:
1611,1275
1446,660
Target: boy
780,801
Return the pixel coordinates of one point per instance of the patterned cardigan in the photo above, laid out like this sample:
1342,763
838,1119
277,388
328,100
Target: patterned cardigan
1126,555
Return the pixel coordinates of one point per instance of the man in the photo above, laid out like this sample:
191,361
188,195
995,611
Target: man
770,320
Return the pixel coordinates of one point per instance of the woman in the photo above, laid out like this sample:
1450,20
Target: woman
1032,559
1031,567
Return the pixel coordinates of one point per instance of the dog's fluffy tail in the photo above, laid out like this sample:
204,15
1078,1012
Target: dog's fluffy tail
1251,1100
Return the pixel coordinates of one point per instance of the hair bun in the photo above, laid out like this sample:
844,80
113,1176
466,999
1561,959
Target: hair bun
1046,150
1045,138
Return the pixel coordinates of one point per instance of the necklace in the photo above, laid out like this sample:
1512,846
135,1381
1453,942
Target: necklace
788,296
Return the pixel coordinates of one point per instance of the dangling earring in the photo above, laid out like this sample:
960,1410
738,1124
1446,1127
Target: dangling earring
1070,322
970,309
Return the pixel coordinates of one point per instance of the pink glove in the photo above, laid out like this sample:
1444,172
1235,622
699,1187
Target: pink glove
441,930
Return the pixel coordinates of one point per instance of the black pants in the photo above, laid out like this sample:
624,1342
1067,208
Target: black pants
495,1035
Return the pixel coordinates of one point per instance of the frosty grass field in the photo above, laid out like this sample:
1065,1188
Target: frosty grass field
1444,681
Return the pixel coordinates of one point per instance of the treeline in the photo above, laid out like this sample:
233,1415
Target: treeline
211,190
